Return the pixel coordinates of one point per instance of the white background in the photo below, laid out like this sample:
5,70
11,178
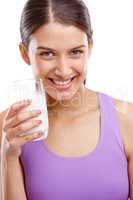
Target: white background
110,68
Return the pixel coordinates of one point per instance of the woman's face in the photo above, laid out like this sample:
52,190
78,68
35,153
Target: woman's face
58,55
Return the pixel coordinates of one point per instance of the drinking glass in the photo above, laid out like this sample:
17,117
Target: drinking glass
31,89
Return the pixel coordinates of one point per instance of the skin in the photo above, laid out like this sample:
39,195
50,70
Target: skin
79,104
61,63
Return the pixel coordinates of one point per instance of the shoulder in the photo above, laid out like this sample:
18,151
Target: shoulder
125,117
124,111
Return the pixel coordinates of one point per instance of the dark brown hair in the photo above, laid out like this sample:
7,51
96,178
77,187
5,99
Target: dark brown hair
67,12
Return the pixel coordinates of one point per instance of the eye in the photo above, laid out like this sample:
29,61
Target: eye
47,54
77,52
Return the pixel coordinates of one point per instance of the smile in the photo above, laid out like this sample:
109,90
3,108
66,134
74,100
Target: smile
62,84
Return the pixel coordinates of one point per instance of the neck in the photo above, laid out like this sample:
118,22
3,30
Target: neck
77,104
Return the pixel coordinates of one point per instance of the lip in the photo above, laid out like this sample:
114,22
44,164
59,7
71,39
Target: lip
62,87
62,80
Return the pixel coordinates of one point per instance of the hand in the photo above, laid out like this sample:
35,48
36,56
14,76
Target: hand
16,123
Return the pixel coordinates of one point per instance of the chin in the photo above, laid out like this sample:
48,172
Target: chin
56,94
59,97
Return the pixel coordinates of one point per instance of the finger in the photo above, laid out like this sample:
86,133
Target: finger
14,108
18,141
21,117
21,140
22,128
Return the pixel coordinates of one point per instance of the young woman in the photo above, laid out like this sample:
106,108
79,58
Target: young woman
88,153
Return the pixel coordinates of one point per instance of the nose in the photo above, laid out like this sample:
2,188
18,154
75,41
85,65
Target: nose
63,68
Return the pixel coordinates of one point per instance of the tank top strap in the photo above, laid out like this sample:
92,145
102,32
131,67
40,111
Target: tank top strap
110,124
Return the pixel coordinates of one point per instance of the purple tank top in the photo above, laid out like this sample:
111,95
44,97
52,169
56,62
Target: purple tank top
100,175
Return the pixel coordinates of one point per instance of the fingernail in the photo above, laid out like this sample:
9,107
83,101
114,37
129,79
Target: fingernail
39,121
38,112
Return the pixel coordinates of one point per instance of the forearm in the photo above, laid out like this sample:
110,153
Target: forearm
14,181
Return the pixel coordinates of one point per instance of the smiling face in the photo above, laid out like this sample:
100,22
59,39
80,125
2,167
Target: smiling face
58,55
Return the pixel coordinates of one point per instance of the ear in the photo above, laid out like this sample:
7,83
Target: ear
24,53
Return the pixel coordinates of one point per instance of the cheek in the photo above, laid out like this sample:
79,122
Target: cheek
81,66
41,67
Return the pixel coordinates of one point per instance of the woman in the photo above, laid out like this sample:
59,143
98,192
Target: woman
88,153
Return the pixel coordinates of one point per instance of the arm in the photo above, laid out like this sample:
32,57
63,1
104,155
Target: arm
2,115
14,176
125,115
15,183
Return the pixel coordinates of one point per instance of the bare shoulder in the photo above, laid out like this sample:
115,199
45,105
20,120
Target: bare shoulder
125,118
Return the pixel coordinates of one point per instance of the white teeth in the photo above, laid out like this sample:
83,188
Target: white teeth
61,82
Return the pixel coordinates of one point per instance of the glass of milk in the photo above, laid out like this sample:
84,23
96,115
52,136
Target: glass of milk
31,89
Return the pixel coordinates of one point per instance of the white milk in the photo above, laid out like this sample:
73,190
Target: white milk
34,90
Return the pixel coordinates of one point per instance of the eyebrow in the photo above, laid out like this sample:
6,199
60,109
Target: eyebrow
47,48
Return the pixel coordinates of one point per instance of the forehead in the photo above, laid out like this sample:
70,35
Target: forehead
55,35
